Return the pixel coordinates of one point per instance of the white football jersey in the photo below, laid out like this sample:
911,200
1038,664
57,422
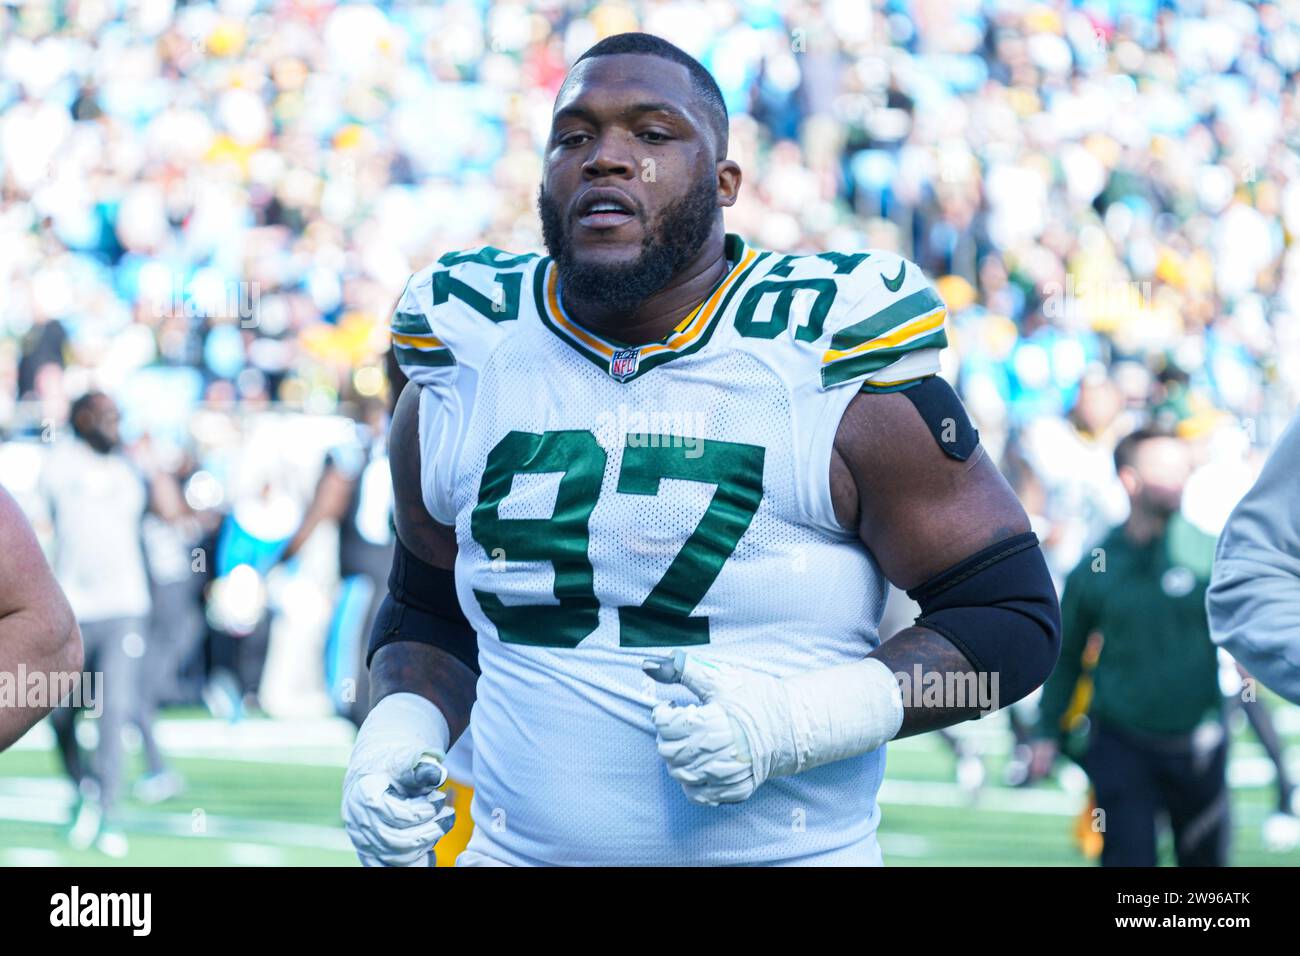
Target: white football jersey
615,503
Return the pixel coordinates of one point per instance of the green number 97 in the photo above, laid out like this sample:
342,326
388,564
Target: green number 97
664,618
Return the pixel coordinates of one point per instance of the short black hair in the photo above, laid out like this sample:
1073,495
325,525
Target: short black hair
82,403
1126,450
702,81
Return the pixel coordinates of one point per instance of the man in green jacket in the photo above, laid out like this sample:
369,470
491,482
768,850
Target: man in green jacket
1153,740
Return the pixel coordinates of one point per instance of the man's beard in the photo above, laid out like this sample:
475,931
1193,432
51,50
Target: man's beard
100,442
1162,505
672,240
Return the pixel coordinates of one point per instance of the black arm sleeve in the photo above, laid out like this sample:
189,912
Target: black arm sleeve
999,608
421,606
945,416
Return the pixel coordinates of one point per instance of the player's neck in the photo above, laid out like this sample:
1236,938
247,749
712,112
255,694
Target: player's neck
662,312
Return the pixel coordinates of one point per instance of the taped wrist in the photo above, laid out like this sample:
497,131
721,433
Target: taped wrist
999,608
400,720
839,712
397,725
421,606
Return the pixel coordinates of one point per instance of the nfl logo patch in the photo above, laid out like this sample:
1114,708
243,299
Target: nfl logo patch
623,364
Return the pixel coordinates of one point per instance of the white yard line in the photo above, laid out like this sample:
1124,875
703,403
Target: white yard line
49,801
30,856
934,793
254,854
904,844
325,742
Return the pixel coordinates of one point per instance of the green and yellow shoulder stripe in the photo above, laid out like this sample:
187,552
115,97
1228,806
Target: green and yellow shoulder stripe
891,333
452,308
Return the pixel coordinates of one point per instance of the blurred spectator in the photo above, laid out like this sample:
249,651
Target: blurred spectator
97,500
42,357
1153,738
1066,475
246,546
168,532
354,492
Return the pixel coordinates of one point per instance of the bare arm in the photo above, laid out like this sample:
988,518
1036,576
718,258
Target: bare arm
37,628
166,499
328,503
405,666
919,512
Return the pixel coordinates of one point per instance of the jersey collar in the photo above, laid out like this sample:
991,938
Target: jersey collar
625,362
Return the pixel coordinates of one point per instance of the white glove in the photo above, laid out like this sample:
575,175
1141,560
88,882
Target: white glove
751,726
393,810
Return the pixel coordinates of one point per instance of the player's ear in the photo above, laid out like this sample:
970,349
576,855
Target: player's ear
1128,477
728,182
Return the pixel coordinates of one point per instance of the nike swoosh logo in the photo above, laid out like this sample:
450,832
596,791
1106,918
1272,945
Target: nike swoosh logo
896,283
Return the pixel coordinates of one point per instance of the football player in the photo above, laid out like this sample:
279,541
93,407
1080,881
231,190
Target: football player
650,489
38,633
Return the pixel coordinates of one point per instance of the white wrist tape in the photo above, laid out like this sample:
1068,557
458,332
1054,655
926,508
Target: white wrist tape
402,720
836,713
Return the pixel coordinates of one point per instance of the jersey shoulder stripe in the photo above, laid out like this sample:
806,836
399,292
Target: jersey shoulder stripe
891,334
450,311
869,317
414,342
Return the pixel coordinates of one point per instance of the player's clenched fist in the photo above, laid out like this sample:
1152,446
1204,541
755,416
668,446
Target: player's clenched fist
392,808
750,726
705,746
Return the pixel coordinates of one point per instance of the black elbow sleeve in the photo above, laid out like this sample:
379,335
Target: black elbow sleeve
421,606
999,608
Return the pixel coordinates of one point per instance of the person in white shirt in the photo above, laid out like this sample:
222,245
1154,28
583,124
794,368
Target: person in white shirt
97,500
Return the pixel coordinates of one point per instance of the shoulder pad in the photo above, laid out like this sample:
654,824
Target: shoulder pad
793,296
451,312
868,317
890,332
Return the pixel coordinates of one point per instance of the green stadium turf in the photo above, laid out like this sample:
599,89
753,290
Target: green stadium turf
274,802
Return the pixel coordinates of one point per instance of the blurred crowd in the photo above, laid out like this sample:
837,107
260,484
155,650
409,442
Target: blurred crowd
207,210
